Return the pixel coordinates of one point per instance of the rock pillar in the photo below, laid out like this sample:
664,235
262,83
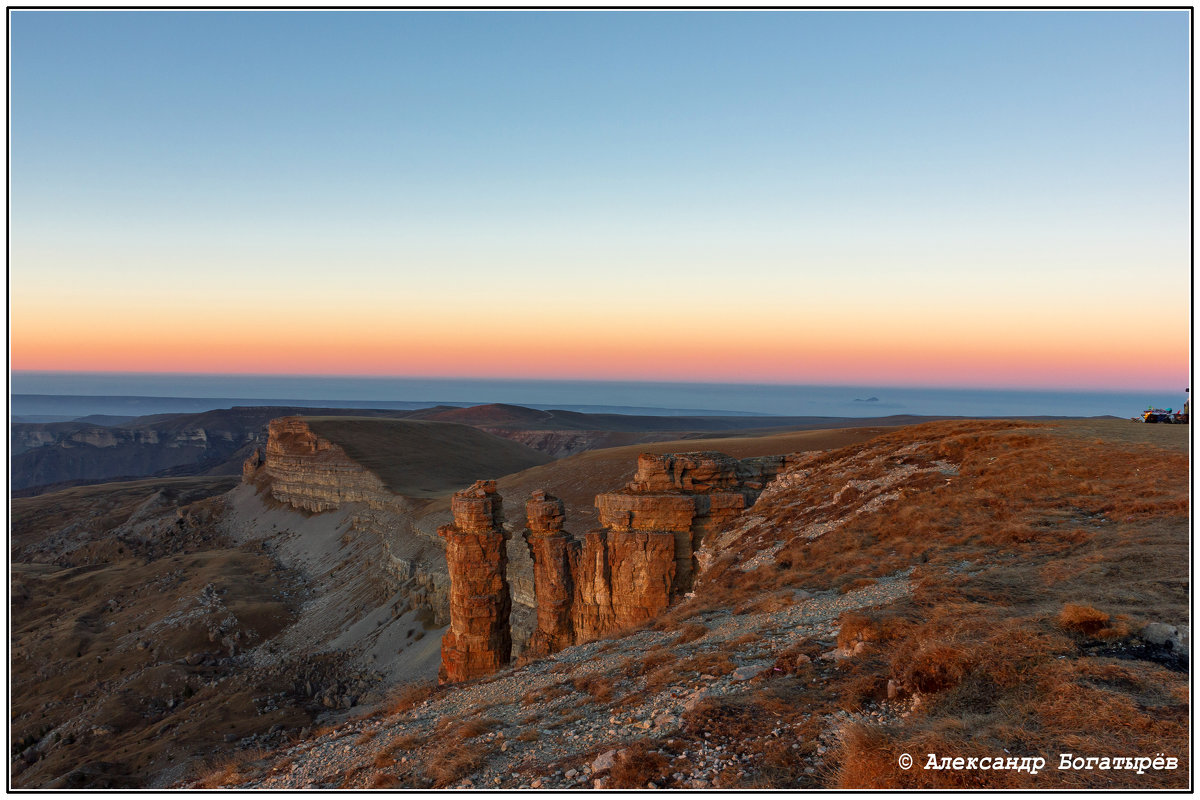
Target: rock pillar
478,642
554,588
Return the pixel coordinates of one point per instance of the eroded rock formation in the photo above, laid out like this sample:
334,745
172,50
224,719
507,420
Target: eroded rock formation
552,550
684,497
251,465
478,642
648,553
312,473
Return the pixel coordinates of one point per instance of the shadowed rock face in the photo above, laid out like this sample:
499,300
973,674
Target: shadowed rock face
310,472
478,642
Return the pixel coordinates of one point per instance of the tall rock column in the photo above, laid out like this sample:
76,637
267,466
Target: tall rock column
551,550
478,642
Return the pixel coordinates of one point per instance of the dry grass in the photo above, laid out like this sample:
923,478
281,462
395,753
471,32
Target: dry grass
408,695
385,780
386,756
637,765
451,763
1021,554
545,694
691,632
1083,619
598,687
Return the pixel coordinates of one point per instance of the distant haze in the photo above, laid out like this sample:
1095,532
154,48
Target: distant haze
80,394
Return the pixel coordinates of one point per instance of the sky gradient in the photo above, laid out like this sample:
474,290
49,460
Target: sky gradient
904,198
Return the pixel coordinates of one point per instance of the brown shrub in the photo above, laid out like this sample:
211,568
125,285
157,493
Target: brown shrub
690,633
477,726
449,765
929,666
637,765
385,780
599,687
1083,619
707,664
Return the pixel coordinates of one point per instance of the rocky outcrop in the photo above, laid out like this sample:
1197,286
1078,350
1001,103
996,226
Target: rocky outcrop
685,497
312,473
251,466
642,575
478,642
552,551
646,557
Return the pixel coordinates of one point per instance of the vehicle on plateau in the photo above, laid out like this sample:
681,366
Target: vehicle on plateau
1165,415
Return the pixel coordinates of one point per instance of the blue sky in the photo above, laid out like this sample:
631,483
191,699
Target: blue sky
947,158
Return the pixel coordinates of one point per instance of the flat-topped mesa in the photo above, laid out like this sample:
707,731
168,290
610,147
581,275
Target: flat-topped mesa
552,551
479,641
309,472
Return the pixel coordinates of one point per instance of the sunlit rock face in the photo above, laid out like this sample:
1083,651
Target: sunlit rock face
479,641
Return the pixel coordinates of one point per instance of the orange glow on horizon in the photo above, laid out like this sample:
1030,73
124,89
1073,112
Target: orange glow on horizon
746,340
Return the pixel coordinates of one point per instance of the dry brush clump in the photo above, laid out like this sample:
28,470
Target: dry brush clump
598,687
450,763
637,765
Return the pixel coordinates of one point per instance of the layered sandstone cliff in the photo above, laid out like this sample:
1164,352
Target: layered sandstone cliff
309,472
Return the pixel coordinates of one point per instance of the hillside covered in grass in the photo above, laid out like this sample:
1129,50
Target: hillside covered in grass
984,590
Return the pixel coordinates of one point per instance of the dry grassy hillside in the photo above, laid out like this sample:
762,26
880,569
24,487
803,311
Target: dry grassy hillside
967,589
125,610
417,458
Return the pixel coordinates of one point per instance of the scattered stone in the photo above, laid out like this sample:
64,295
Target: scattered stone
604,761
748,672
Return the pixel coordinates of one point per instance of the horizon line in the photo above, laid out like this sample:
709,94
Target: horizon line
576,380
